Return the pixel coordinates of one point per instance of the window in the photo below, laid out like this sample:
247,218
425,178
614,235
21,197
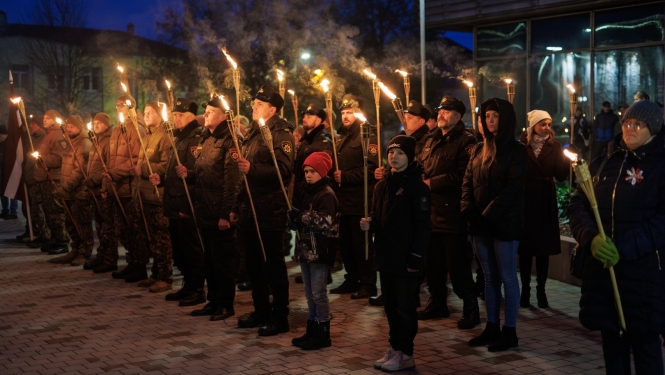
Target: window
21,75
92,80
56,79
501,40
492,84
561,33
633,25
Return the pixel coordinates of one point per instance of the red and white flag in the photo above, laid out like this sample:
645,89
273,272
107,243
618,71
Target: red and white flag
14,156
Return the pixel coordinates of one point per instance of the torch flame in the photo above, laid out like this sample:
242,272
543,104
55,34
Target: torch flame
121,69
262,122
122,118
165,114
58,120
403,73
508,80
369,74
89,126
571,155
292,92
124,88
16,100
324,85
360,117
386,91
35,154
129,103
317,71
571,88
168,84
233,63
280,75
224,103
469,83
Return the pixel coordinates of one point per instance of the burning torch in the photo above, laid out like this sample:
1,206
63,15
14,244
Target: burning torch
123,78
364,131
407,83
132,116
586,183
169,95
294,101
472,101
397,103
325,84
234,135
282,87
236,80
377,95
19,102
510,87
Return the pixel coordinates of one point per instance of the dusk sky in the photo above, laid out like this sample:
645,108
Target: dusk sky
116,14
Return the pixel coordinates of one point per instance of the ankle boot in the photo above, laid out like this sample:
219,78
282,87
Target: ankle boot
507,340
308,334
542,297
489,335
525,297
470,313
320,338
434,310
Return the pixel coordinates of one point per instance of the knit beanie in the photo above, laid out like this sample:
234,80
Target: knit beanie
155,107
320,161
648,112
75,120
103,118
53,114
537,116
124,97
404,143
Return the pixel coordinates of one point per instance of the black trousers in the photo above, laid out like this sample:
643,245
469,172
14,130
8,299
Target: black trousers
269,276
352,247
647,355
400,297
448,253
220,265
542,267
187,252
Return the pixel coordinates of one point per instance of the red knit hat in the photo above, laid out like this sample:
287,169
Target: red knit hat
320,161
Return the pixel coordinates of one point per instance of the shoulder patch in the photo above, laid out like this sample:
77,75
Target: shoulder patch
286,147
373,149
424,204
469,148
63,144
234,154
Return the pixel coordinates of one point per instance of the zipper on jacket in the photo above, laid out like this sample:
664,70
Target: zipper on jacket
614,191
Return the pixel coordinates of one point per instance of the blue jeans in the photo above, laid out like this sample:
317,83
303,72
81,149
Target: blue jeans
499,262
315,279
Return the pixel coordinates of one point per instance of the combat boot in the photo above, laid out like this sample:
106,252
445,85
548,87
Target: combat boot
105,267
137,273
79,260
434,310
93,263
124,272
297,341
470,313
65,259
193,298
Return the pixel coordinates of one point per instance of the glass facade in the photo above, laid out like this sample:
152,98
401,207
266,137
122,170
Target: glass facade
622,54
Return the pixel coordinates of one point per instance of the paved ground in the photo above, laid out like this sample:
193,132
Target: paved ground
57,319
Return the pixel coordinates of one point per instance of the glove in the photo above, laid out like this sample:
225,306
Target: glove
293,213
604,250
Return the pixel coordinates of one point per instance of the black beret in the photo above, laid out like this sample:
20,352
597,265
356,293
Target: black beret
351,101
269,95
417,109
183,105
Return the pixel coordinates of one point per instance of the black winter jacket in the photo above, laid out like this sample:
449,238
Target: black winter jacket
401,221
318,140
630,192
263,182
318,224
444,159
350,158
187,142
493,195
216,176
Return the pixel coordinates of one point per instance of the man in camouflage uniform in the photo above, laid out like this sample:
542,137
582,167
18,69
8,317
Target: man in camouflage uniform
50,151
76,195
107,252
158,148
39,227
258,167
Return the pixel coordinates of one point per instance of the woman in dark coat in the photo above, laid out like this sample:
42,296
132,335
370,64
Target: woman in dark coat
630,191
546,162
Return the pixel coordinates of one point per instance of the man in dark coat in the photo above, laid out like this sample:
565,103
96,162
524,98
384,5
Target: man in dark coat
629,191
360,278
187,250
603,129
445,156
257,166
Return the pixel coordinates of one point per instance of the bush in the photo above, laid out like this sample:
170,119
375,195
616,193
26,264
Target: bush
563,194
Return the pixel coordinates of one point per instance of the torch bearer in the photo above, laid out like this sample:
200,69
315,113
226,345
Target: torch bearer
236,80
585,182
282,87
326,89
510,86
169,95
55,186
234,135
407,83
294,101
19,102
364,130
377,95
95,142
472,101
132,116
397,103
76,158
573,108
267,138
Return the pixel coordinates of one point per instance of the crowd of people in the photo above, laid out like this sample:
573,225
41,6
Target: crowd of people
212,199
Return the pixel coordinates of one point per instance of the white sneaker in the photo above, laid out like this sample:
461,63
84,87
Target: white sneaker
399,361
390,352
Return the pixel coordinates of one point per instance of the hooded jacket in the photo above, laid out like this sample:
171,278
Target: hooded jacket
73,160
50,150
493,194
187,142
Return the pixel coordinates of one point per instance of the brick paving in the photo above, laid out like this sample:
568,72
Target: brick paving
58,319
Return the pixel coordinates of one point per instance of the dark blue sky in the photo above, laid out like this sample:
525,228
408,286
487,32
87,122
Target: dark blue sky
116,14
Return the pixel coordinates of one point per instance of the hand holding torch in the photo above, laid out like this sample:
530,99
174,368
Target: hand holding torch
364,130
586,183
132,115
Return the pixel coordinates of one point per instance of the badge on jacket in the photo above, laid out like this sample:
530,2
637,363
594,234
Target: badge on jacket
234,154
634,176
286,147
63,144
373,149
195,150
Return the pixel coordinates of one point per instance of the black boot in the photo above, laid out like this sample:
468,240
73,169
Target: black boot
505,341
489,335
299,279
193,298
308,334
470,313
274,327
320,339
542,297
434,310
122,273
137,273
376,301
93,263
525,297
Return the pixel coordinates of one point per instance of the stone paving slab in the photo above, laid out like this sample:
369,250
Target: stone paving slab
58,319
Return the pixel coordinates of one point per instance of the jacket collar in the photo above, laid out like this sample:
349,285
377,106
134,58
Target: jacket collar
309,137
188,129
418,134
352,130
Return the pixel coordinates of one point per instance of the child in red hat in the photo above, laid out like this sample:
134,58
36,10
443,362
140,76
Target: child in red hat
317,221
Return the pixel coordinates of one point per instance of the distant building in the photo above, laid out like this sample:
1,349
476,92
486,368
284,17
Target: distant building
607,49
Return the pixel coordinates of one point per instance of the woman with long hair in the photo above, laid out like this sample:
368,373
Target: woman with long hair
493,203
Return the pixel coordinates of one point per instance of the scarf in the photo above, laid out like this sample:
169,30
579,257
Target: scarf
537,143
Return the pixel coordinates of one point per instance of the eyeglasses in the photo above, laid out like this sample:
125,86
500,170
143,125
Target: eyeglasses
633,125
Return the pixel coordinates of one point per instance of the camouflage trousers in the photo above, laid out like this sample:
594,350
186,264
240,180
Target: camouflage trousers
83,239
54,212
157,244
39,227
124,230
104,224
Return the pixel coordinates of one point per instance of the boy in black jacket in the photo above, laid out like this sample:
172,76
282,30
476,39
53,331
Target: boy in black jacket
317,220
401,223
